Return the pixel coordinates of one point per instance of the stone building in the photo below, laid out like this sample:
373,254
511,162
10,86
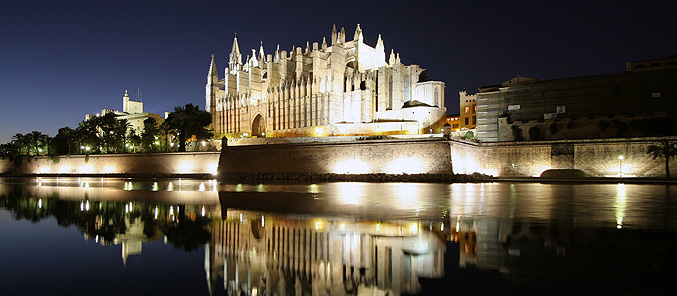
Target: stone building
637,103
133,112
342,88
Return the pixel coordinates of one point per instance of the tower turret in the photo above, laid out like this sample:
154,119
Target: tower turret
358,34
235,56
334,37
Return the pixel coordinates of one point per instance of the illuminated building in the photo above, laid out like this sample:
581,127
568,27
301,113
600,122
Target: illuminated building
453,122
265,254
636,103
468,109
346,87
132,111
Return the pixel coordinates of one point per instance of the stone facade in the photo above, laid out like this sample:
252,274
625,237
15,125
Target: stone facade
313,91
635,96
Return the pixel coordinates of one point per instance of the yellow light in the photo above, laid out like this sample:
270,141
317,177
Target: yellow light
319,132
313,188
378,227
414,228
318,225
342,226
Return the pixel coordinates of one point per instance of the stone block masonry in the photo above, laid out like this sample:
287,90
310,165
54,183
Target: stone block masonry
350,158
199,164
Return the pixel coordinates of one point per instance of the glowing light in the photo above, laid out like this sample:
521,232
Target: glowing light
313,188
318,225
261,188
170,187
204,143
240,218
351,166
171,210
87,206
64,169
239,188
319,132
342,226
185,167
378,227
171,144
155,186
201,187
620,204
203,211
414,228
82,206
213,168
411,165
156,212
441,226
263,221
39,203
108,169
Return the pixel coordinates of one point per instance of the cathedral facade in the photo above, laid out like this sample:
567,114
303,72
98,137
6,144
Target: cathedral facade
346,88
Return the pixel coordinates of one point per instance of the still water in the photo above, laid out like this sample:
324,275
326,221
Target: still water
92,236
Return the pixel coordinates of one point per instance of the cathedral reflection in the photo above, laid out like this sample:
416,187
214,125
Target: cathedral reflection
262,253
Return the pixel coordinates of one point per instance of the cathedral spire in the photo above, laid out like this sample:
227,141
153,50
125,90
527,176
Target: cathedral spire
277,54
324,43
334,38
235,55
379,43
213,75
358,33
342,36
262,55
391,61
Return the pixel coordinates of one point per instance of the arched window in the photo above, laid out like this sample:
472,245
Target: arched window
406,89
437,97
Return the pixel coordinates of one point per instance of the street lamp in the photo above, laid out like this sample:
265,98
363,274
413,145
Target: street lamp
620,165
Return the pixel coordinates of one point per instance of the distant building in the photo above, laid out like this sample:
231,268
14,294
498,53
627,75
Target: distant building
639,102
342,88
453,122
468,109
132,111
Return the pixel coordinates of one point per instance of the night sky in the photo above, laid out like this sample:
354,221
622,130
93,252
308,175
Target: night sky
62,59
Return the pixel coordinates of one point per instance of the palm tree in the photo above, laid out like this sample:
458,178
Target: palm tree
19,141
37,141
663,148
187,122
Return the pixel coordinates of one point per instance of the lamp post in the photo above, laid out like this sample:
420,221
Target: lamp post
620,165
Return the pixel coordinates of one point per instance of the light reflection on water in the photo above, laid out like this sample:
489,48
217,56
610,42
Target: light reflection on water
350,238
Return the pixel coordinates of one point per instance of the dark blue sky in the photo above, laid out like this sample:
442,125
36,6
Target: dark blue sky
62,59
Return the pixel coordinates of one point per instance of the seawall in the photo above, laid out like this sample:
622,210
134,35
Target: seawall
394,157
420,159
194,164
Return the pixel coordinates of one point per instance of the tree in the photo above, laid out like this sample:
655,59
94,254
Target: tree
663,148
189,121
149,136
20,143
86,135
37,142
64,141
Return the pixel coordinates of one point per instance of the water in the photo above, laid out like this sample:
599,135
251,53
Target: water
93,236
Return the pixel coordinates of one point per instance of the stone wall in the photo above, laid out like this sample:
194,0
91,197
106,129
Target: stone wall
152,164
598,158
361,157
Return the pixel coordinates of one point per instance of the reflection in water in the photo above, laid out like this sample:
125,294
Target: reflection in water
256,252
376,239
